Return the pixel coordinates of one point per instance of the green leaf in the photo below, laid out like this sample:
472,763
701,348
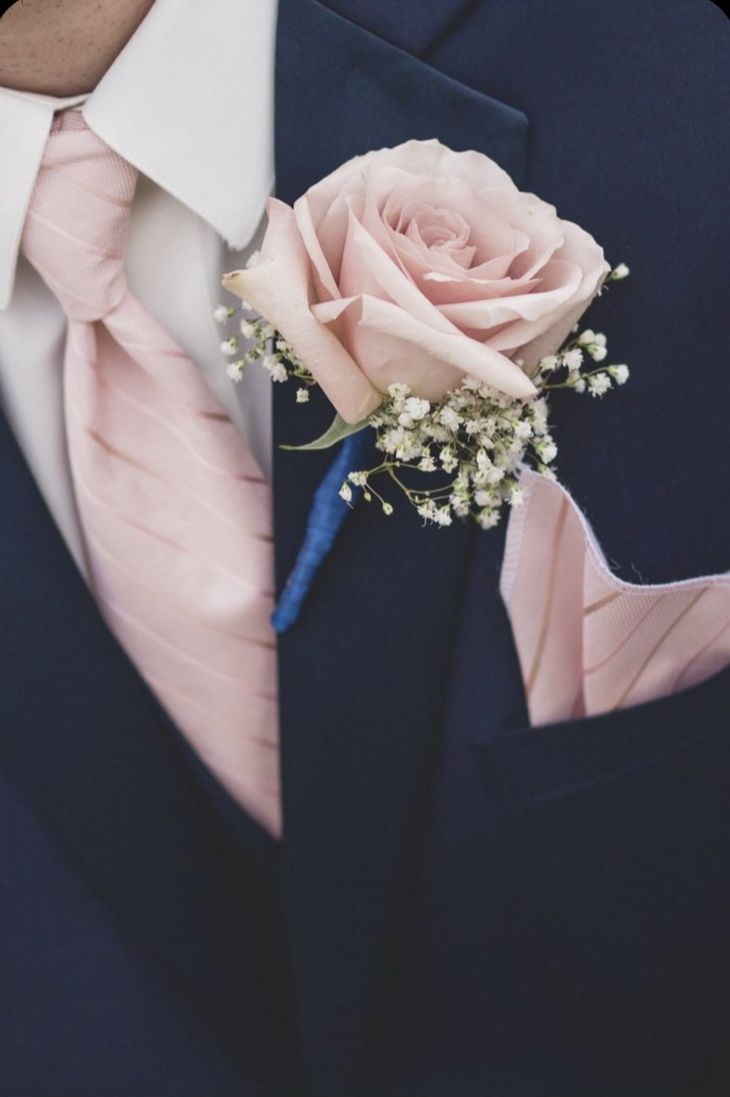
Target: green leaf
335,432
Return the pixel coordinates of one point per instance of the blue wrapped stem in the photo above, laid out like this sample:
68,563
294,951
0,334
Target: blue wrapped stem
326,518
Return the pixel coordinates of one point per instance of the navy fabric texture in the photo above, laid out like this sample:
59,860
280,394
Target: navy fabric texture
463,906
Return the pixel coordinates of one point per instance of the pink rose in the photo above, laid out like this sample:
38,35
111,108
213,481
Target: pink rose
419,264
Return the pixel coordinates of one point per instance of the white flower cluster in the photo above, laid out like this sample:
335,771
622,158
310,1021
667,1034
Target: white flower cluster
260,342
475,440
471,444
570,364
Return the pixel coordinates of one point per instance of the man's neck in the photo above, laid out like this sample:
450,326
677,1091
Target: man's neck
64,47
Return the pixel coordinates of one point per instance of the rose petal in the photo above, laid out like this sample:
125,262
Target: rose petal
278,287
449,348
560,282
538,224
303,217
386,358
332,229
367,269
390,346
581,252
431,158
585,252
490,231
551,339
449,291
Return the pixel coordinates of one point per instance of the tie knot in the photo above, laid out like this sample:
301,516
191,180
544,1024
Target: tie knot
76,229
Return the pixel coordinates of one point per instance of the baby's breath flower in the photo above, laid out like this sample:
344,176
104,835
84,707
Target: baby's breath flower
450,419
222,313
435,431
398,389
229,347
488,517
235,369
619,273
538,410
448,459
549,363
417,408
275,368
599,384
547,450
594,342
573,359
619,373
472,443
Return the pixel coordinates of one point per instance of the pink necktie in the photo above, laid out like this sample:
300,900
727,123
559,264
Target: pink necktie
589,643
174,510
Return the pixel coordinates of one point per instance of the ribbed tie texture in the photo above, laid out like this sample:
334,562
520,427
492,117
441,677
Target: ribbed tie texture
175,512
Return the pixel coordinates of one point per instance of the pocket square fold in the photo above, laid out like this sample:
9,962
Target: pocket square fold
587,641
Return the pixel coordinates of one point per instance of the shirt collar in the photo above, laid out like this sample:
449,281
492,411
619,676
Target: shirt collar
188,101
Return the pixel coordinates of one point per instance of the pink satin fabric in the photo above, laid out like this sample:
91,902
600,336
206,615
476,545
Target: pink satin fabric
589,643
175,512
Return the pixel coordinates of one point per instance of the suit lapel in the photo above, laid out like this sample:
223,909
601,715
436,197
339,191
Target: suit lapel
363,672
107,774
391,22
361,675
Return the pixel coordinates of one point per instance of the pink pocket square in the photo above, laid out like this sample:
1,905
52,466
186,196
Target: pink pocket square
588,642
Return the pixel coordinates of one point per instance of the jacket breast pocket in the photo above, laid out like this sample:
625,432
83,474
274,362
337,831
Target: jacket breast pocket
590,643
672,734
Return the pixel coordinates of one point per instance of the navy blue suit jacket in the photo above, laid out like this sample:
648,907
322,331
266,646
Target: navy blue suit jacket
462,907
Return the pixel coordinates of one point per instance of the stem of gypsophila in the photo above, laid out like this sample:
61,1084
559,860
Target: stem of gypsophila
572,384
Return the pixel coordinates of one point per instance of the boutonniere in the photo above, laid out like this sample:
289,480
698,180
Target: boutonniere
437,305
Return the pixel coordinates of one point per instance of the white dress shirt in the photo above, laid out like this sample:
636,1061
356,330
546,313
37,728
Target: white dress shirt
189,102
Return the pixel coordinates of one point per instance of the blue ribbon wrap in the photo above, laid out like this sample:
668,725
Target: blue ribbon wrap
325,521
